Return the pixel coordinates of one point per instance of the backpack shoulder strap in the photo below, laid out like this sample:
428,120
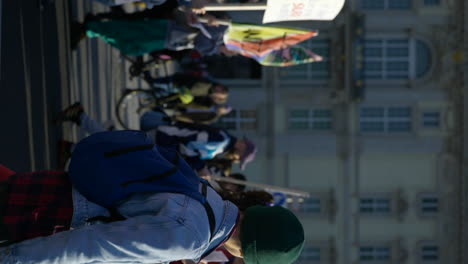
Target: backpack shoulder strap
126,150
209,210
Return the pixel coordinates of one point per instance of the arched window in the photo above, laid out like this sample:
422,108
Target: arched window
395,58
423,58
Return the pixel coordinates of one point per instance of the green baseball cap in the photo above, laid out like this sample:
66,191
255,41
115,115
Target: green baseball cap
271,235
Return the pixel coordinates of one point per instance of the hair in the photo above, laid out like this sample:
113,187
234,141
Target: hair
238,187
222,164
238,176
244,200
224,88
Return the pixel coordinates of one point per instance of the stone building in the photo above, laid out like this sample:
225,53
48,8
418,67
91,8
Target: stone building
372,132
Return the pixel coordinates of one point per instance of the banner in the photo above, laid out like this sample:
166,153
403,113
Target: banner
291,10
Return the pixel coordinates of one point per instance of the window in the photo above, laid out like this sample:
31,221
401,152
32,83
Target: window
395,58
386,59
423,58
385,119
310,254
386,4
430,119
429,252
375,205
310,119
310,205
239,120
310,71
429,204
374,254
431,2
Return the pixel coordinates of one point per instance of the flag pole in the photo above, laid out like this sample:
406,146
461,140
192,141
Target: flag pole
265,187
235,7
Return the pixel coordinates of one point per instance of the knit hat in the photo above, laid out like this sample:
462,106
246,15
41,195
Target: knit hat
271,235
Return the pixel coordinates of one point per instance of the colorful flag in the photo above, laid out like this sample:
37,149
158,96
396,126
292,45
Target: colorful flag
271,46
290,56
261,40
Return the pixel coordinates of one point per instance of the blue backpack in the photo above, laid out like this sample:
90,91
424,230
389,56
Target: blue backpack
108,167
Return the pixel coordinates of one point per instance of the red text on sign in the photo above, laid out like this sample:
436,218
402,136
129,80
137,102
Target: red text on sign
297,9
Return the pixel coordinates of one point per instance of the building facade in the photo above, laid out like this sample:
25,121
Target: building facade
370,132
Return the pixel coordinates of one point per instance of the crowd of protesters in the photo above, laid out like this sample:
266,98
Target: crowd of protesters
177,215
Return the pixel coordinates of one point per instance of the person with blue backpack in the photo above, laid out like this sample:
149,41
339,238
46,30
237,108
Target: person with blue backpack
136,202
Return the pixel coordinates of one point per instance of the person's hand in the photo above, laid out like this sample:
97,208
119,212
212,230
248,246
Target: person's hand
198,6
199,11
204,173
191,17
211,20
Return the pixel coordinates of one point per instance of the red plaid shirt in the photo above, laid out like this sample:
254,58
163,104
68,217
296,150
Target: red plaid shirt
36,204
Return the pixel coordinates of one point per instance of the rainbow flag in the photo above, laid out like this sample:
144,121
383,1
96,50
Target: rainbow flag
269,45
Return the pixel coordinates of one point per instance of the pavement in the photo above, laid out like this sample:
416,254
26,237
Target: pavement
40,75
464,158
96,73
30,89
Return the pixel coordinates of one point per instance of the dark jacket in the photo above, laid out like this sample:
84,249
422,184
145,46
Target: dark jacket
182,36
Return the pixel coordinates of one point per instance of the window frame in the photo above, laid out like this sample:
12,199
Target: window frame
309,208
310,119
422,120
386,119
320,253
238,120
326,252
439,4
375,196
385,58
386,6
374,246
414,38
420,206
420,249
294,204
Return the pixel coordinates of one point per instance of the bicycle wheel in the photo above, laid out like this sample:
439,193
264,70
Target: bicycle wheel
139,65
131,104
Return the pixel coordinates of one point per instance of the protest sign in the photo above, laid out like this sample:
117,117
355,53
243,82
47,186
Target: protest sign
291,10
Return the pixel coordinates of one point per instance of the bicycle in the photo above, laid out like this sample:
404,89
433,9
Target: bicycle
134,101
139,66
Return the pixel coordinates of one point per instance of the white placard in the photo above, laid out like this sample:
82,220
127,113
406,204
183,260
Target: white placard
289,10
